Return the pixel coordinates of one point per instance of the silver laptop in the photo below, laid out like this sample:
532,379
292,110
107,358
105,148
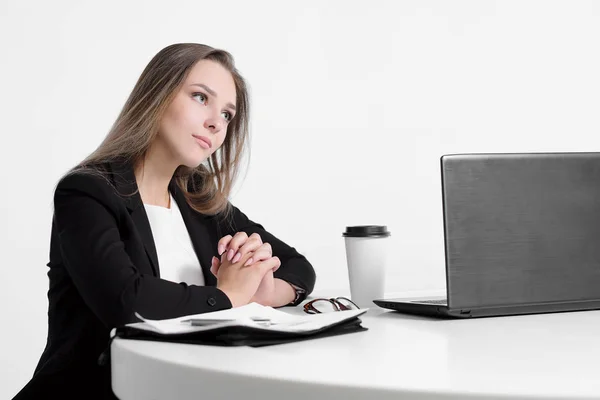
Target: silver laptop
521,233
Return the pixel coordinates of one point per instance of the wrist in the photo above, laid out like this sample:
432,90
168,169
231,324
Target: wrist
233,296
284,293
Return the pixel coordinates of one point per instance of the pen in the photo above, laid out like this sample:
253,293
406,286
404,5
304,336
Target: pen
204,322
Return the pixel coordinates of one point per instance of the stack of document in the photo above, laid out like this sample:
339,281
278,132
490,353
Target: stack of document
252,324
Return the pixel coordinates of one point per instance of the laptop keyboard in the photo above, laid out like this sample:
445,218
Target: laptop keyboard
441,302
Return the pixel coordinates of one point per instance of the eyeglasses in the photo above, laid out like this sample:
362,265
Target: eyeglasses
317,306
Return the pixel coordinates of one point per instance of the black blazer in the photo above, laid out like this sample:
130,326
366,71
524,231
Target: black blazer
104,267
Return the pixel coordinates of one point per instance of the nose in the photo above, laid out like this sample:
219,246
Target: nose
213,124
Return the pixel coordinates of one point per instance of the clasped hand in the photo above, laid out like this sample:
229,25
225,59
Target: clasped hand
245,271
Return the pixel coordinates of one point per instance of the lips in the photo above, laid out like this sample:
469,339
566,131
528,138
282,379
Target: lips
204,140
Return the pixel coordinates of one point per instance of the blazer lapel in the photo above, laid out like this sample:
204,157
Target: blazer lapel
198,227
126,185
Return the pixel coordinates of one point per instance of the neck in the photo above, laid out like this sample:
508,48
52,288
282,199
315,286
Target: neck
153,175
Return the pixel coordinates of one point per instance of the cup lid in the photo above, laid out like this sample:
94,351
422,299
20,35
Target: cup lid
367,231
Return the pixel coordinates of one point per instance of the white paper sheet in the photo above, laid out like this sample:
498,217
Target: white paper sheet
243,316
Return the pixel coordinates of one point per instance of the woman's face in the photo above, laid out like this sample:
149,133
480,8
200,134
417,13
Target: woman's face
195,124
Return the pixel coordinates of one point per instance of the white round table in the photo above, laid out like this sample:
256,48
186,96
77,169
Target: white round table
546,356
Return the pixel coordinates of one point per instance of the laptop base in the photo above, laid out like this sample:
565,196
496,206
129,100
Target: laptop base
410,306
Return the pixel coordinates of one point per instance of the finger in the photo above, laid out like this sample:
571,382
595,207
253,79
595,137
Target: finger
264,252
223,243
238,240
214,268
251,260
256,236
243,260
278,265
252,244
239,263
269,264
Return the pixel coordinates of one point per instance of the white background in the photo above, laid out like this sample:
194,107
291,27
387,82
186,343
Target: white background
353,103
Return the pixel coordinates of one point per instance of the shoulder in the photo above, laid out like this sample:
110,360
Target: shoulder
96,182
86,178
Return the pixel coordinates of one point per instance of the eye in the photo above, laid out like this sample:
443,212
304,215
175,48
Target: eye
227,115
201,96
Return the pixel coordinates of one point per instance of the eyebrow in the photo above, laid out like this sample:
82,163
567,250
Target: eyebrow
214,94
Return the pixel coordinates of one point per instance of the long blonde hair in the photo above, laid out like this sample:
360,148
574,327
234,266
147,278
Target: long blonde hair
206,187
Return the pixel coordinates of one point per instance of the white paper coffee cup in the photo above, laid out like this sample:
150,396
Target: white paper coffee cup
366,256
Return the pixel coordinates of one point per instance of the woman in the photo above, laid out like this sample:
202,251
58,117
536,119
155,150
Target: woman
144,224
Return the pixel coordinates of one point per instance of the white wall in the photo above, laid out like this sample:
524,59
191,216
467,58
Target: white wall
353,103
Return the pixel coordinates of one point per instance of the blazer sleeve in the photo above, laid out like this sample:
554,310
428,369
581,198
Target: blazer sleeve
294,269
94,255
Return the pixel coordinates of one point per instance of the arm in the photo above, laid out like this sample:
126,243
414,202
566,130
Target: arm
294,270
95,257
285,294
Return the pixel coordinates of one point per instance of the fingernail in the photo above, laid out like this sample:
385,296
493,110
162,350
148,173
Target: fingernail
221,249
237,257
214,259
230,254
248,262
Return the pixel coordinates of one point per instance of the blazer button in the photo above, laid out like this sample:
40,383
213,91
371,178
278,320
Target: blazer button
211,301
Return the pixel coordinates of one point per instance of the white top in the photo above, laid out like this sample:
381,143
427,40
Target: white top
545,356
176,256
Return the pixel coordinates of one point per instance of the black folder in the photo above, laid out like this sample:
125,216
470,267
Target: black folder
241,335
